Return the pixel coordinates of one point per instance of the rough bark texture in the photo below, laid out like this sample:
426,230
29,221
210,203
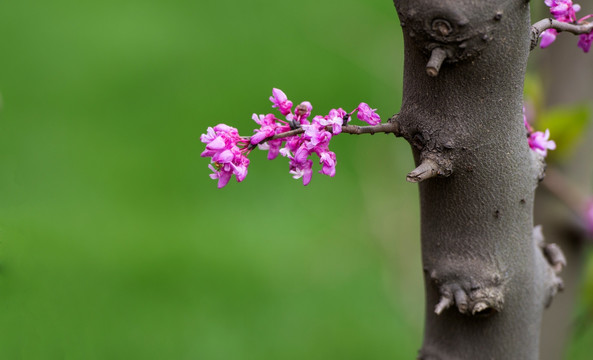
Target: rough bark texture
486,278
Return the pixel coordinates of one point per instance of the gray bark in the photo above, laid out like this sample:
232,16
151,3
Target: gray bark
487,280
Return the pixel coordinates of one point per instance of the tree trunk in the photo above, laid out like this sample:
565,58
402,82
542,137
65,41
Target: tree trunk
486,278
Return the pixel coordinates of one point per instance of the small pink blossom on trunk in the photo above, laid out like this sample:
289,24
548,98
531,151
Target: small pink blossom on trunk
540,142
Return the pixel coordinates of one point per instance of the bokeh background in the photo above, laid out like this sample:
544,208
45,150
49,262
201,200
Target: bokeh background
115,243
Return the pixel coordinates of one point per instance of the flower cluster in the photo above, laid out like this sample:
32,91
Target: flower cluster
228,151
538,141
565,11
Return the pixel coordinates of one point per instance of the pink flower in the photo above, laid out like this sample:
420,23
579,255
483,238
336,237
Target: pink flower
222,176
528,114
228,151
563,10
315,135
280,101
328,160
301,154
219,139
333,119
274,148
316,140
269,127
585,41
293,143
223,146
223,172
341,113
368,115
299,166
540,142
302,111
548,37
302,170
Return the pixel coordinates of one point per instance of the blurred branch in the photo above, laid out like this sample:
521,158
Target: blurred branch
567,192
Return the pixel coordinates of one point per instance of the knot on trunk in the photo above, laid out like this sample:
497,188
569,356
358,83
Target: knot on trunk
471,292
429,168
446,34
554,262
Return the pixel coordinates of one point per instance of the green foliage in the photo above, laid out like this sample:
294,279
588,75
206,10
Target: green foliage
588,285
115,243
567,125
583,322
533,92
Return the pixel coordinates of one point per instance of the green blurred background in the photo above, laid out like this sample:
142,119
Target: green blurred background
115,243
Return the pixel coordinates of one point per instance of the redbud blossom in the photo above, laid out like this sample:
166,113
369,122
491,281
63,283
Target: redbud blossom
315,134
302,111
280,101
328,160
565,11
585,41
339,113
267,129
222,145
540,142
302,170
527,119
335,122
228,151
368,115
548,37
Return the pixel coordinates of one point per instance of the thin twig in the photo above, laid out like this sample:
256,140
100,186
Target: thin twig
545,24
390,127
565,191
573,197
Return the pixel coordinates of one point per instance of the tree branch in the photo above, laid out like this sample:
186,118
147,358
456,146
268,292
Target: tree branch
549,23
426,170
437,57
565,191
387,128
